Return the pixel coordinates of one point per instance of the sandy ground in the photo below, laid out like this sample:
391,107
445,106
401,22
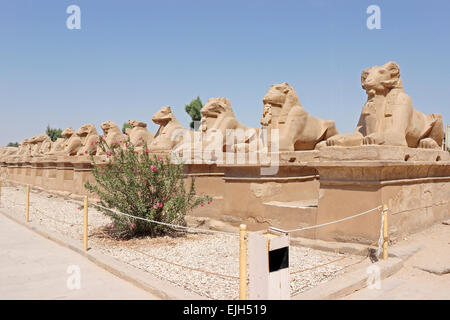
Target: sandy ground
425,275
207,264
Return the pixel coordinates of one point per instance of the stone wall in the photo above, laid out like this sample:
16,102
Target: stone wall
309,187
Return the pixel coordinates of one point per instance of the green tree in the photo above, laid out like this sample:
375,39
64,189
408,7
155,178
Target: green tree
53,133
193,110
12,144
142,186
125,126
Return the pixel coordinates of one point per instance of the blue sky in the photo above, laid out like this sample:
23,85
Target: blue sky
132,57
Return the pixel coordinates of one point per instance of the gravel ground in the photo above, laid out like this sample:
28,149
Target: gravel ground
174,259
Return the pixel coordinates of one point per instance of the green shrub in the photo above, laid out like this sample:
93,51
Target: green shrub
53,133
143,186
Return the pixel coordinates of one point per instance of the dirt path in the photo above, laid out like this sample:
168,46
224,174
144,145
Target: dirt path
426,275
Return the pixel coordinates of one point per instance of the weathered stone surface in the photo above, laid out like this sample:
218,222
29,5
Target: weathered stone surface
297,129
170,133
139,134
388,117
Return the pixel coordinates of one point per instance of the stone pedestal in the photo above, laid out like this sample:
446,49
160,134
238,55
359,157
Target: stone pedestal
413,183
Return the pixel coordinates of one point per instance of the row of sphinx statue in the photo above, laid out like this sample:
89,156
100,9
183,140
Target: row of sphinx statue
387,118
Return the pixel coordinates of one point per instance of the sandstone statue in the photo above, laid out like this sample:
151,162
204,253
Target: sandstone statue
67,145
388,117
8,151
24,149
139,134
88,140
218,117
111,135
39,145
170,133
297,129
56,146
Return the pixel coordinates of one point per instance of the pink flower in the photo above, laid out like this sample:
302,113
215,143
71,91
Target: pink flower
202,205
132,224
155,207
164,198
140,138
209,202
79,208
120,141
160,159
154,168
126,145
97,202
147,151
112,225
160,204
109,154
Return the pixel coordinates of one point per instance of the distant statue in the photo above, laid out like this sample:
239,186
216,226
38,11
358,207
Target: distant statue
170,132
218,116
39,145
297,129
388,117
139,134
88,139
68,144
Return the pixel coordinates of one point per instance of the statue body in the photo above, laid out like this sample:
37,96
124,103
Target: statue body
219,122
88,138
170,133
111,134
139,134
388,116
297,129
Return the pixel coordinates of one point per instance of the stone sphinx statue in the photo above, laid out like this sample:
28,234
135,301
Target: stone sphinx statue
67,145
7,151
170,133
139,134
40,144
218,116
388,117
297,129
88,138
24,149
111,134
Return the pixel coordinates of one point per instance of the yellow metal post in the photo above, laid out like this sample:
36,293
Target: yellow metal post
385,232
85,227
243,263
27,206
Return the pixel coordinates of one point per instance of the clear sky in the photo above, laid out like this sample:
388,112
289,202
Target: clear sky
132,57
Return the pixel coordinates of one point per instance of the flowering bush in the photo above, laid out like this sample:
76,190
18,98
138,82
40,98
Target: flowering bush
143,186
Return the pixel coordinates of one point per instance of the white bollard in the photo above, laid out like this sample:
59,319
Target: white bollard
268,266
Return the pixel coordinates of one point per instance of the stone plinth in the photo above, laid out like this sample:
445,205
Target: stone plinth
414,183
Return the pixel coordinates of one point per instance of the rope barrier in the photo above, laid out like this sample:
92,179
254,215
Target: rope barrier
175,226
327,223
